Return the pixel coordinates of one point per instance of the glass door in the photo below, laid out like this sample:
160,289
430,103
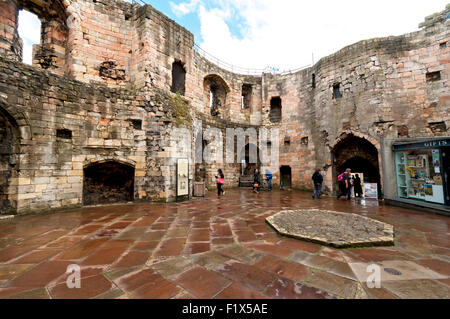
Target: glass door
446,173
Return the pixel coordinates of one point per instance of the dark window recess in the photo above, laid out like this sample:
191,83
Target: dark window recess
305,140
433,76
269,144
402,131
178,78
438,127
65,134
313,81
137,124
287,141
275,110
443,45
337,91
246,96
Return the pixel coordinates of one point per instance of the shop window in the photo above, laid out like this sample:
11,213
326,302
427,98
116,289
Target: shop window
433,76
246,96
178,78
337,91
30,32
275,110
420,175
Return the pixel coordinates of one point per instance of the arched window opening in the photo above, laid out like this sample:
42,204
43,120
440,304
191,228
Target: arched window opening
215,91
275,110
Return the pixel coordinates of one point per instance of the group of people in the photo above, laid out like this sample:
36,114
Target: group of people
220,177
346,183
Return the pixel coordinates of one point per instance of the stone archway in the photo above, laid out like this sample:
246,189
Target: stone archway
360,155
108,182
9,150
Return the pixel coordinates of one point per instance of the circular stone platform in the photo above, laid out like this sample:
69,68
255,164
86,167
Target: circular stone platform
334,229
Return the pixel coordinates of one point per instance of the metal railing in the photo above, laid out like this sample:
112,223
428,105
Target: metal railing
240,70
233,68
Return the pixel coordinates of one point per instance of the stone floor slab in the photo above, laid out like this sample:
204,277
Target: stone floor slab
332,228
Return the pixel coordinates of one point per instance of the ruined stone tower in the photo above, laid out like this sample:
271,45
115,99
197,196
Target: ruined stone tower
89,122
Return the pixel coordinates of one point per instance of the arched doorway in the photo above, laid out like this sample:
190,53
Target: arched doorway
8,149
107,183
361,156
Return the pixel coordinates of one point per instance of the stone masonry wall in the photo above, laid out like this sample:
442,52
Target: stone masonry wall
99,91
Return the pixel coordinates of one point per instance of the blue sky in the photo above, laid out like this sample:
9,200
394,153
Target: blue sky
285,34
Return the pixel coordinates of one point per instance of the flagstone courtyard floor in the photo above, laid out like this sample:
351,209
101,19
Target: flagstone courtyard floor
218,248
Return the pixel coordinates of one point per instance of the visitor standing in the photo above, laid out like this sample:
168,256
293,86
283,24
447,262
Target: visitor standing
256,181
269,177
345,184
220,182
318,181
358,186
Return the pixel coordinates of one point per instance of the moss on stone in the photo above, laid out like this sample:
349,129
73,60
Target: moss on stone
180,111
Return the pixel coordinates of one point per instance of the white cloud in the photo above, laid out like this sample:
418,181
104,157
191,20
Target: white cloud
285,33
185,7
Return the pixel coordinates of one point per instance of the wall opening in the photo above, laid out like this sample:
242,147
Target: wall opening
360,156
137,124
178,78
313,81
250,163
30,32
215,92
433,76
337,91
8,149
285,177
247,90
287,141
275,110
64,134
107,183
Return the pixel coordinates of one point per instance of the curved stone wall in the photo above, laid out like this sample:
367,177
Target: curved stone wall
107,77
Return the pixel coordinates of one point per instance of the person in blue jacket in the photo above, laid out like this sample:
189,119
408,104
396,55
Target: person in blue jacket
269,177
318,181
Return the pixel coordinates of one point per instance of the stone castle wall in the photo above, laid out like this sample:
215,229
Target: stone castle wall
99,90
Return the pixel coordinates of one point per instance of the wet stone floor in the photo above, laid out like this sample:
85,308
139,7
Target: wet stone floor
218,248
